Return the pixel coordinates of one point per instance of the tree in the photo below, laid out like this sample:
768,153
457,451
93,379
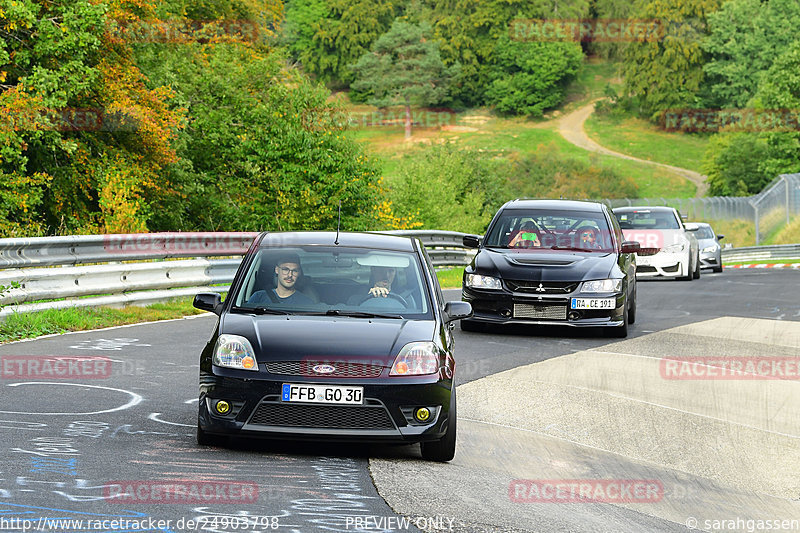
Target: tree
404,67
745,37
468,32
60,66
667,73
327,37
528,78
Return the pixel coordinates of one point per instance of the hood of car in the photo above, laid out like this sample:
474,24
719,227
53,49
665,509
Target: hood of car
544,265
706,242
299,338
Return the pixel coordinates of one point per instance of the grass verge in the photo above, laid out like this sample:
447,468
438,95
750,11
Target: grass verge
639,138
763,262
450,278
29,325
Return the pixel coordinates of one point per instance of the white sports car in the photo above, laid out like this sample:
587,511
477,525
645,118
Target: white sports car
661,228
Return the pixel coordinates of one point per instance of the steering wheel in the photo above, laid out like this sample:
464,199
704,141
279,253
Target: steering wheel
390,295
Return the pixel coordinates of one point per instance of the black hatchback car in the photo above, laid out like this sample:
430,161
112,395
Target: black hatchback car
334,337
552,262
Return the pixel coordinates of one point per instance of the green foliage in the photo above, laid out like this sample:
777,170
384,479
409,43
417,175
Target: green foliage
548,175
744,39
450,189
263,149
668,73
468,31
404,67
529,78
328,37
743,163
610,10
733,164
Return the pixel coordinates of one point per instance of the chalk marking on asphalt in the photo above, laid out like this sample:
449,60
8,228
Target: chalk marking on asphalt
154,418
135,398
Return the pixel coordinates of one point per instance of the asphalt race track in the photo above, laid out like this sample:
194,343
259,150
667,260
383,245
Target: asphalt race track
539,410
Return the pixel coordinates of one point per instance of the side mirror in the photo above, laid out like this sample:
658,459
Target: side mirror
208,301
472,241
691,226
456,310
720,237
631,247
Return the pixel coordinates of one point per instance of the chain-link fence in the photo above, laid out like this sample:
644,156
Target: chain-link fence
769,210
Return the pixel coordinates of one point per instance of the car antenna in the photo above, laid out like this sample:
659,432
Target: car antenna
338,224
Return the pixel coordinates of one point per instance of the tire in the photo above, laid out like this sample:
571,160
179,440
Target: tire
717,269
620,332
696,274
444,449
690,275
472,325
632,308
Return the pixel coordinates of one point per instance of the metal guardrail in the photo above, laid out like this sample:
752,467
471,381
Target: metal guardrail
57,272
60,272
757,253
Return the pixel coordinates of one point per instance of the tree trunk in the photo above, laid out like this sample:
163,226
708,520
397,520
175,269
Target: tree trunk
408,121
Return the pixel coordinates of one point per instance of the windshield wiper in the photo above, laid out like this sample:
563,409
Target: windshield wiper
575,249
261,310
359,314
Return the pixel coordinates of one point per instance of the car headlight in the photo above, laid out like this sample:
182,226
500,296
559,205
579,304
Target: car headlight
675,248
710,249
416,359
483,282
602,285
234,351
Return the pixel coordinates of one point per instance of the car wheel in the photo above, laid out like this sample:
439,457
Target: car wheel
697,269
717,269
471,325
621,331
444,449
632,309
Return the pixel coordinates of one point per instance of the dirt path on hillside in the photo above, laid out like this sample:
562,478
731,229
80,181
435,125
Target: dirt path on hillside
571,128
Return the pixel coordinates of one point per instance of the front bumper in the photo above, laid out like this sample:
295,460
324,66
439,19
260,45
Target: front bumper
506,307
710,259
663,264
384,417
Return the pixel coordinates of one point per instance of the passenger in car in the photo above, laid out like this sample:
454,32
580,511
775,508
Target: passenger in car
525,237
288,271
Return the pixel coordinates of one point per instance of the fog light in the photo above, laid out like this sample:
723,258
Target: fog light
422,414
222,407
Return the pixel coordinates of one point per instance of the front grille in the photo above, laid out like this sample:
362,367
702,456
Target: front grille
343,369
645,268
547,287
322,416
674,268
540,311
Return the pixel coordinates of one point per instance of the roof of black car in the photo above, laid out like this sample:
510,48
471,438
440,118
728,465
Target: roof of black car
569,205
327,238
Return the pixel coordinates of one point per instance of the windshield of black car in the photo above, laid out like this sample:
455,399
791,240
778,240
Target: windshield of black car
553,229
647,219
355,282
